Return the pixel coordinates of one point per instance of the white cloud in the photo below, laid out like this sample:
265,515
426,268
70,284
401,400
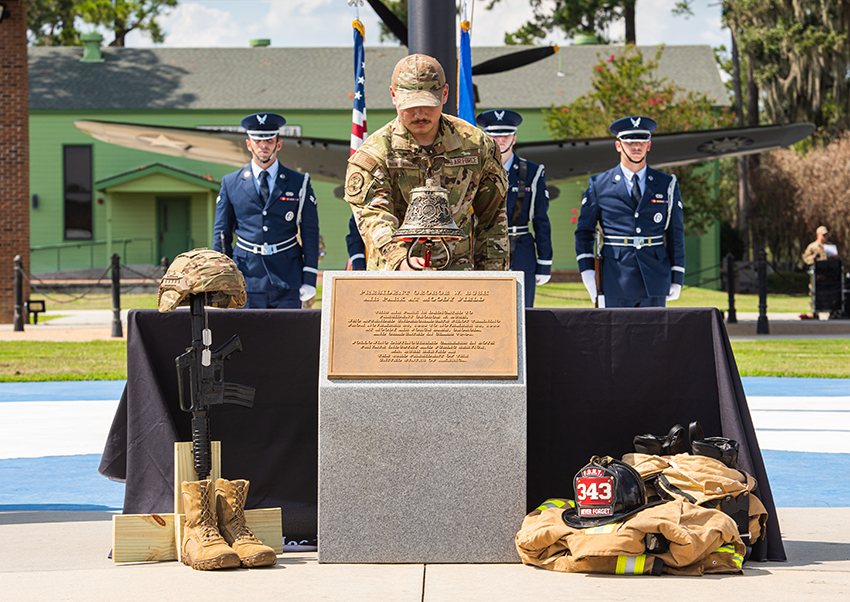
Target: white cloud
306,23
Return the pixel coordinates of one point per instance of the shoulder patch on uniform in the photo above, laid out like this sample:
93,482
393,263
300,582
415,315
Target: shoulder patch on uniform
363,160
354,184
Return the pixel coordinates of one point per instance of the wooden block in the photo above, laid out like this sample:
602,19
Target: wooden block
143,537
179,525
153,537
157,537
184,468
265,523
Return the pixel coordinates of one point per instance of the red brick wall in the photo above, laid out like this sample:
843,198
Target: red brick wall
14,153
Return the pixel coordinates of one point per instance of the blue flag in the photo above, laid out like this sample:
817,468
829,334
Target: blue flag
465,95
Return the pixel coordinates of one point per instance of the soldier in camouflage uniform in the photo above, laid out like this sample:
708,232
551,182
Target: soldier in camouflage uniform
392,161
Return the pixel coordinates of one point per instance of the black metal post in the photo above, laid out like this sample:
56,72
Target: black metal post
116,296
163,263
432,30
762,326
731,316
19,294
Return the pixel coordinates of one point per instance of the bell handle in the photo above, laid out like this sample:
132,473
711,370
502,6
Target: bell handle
448,255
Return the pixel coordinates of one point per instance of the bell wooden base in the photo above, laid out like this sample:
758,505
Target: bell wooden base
156,537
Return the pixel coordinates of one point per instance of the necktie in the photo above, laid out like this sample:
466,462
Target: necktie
264,186
636,191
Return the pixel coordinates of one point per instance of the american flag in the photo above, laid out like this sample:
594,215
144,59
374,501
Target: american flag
358,117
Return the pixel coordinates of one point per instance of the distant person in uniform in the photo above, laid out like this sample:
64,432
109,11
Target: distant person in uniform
388,165
269,207
528,201
356,247
639,210
820,249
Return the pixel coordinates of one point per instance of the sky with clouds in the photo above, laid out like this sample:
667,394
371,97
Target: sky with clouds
304,23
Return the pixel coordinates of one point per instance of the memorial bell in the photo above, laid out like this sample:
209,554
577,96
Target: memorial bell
429,219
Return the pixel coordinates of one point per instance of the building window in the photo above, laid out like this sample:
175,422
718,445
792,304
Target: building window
78,193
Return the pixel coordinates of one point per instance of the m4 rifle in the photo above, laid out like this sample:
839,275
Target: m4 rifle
206,383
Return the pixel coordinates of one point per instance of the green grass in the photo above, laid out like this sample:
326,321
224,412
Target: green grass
809,358
573,294
39,361
58,302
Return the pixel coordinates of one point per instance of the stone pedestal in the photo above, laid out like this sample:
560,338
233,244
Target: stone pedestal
420,471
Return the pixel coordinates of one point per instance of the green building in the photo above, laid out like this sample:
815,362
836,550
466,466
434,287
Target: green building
91,199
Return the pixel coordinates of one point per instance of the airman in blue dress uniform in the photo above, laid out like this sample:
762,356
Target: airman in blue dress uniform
268,206
639,210
356,246
527,201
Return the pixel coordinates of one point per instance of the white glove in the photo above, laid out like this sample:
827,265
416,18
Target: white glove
588,277
675,291
542,279
306,292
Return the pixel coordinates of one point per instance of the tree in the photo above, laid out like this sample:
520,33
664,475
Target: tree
800,52
51,22
124,16
802,192
399,9
54,22
589,17
626,84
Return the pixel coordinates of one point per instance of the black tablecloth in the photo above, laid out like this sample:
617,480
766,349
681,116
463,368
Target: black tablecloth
596,378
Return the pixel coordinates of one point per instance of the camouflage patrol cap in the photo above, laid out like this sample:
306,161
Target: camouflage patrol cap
202,271
418,81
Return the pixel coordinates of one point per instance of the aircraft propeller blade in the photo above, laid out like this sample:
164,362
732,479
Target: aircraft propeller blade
324,159
571,158
514,60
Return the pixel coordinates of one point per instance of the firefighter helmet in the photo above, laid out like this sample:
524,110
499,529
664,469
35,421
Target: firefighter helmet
606,490
202,271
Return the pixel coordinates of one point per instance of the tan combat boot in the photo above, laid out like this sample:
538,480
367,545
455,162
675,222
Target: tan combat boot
202,547
230,507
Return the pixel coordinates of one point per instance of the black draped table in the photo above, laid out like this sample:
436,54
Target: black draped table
596,378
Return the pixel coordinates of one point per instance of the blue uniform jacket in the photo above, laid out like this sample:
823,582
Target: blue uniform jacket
356,247
291,202
535,209
629,272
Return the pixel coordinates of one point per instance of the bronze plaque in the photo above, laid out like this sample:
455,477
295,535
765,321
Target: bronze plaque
423,328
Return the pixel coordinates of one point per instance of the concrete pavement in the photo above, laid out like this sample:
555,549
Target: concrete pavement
51,556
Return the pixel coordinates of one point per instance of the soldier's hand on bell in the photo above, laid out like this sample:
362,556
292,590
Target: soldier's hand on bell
541,279
588,277
675,291
306,292
418,263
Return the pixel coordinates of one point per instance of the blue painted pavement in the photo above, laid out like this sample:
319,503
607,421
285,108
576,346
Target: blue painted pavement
803,426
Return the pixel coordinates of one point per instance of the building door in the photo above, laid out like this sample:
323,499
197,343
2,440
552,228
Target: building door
172,226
